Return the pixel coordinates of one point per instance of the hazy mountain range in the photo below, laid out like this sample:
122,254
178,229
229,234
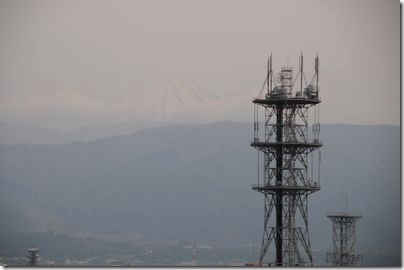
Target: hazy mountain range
17,133
172,101
193,183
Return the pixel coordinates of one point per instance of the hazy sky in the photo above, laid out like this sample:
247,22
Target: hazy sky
68,63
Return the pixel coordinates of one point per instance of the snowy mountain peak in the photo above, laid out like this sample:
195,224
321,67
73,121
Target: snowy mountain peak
172,96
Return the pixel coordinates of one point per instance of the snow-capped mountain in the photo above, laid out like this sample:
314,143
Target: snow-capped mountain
173,97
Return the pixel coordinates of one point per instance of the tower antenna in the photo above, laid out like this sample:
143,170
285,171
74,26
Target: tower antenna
301,73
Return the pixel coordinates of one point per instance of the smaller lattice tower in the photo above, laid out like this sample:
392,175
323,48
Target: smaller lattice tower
33,256
194,255
344,239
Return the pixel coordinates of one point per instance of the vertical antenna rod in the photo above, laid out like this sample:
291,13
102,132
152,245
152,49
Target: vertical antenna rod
317,69
268,76
301,73
270,71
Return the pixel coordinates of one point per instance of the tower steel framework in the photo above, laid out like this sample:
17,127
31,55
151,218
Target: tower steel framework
344,239
291,159
33,256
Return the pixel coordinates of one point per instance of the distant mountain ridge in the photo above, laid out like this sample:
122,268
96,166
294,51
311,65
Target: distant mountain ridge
17,133
193,183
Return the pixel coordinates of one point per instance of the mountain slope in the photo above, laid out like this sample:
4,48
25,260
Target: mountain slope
193,183
16,133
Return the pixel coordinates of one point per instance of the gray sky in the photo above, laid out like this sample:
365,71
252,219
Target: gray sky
69,63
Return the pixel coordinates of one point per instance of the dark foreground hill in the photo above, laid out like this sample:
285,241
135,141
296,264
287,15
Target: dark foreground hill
192,183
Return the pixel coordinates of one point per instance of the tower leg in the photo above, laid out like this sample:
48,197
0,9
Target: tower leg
279,203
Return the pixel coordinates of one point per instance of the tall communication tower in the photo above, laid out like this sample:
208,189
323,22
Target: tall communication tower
291,160
344,239
33,255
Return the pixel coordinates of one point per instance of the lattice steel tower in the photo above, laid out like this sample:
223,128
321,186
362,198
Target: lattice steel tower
33,256
290,164
344,239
